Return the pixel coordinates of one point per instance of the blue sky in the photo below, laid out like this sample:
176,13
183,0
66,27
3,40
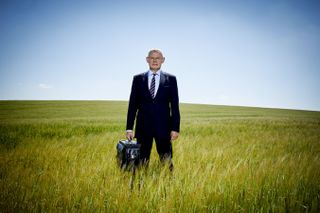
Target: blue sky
248,53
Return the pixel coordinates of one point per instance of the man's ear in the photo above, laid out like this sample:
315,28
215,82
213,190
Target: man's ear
163,59
147,59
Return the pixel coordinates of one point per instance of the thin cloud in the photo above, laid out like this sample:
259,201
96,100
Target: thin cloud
45,86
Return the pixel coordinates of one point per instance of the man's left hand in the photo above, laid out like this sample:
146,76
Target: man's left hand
174,135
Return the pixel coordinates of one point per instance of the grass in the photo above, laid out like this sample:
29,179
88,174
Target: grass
58,156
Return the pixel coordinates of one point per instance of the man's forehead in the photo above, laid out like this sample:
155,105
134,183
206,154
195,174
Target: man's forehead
155,54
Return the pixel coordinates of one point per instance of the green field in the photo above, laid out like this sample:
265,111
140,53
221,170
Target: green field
58,156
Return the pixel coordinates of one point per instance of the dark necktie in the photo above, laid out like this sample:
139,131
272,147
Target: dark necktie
153,85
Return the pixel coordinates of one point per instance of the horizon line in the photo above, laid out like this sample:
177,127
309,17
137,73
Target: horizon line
209,104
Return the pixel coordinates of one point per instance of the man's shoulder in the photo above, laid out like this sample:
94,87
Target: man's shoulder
168,75
140,75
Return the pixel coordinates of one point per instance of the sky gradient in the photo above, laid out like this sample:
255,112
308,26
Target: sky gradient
248,53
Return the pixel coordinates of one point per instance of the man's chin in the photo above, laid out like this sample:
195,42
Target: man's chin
155,68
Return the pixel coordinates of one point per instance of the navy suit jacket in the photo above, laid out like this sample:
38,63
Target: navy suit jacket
156,116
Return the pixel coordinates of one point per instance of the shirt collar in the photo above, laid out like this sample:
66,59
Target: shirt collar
150,73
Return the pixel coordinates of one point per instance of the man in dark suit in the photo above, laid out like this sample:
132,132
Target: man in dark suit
154,103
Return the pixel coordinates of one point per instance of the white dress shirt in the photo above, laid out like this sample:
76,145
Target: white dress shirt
157,78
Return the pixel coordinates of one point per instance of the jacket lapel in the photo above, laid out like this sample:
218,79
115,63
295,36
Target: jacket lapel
161,83
145,85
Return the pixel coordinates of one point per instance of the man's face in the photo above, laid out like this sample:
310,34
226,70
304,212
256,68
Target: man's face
155,60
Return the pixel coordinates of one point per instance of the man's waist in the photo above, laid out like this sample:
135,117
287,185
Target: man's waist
155,101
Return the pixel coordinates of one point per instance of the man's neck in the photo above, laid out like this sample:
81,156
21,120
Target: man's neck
154,71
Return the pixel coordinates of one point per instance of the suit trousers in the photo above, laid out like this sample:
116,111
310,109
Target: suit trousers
163,145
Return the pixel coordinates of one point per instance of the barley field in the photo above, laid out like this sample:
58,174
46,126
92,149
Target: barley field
59,156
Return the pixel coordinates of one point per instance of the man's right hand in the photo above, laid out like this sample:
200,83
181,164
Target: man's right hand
129,135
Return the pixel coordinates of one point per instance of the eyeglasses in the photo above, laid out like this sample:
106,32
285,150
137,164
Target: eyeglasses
155,59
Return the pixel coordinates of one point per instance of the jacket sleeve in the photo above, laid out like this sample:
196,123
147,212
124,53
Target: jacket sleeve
175,112
133,105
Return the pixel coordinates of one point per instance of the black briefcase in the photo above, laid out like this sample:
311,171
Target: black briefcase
128,154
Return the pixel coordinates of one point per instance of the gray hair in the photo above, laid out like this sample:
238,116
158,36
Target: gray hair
155,51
